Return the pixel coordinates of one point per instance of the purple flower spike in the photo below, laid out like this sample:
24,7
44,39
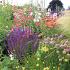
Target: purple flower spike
20,42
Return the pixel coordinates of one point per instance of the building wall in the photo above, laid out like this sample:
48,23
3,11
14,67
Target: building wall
2,2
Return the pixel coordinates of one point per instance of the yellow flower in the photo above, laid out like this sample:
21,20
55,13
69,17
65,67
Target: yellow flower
6,26
17,67
27,61
23,68
37,64
66,60
43,62
38,59
44,49
64,52
54,67
46,68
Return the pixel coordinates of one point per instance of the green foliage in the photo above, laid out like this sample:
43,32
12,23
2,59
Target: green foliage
8,64
5,20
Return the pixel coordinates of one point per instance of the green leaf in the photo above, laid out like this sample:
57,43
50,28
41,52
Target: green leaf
5,68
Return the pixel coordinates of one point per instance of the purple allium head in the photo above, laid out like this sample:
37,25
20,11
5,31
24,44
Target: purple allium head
20,42
61,36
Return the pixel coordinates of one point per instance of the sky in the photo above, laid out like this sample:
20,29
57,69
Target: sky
22,2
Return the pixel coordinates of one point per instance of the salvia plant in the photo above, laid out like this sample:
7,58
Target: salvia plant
22,42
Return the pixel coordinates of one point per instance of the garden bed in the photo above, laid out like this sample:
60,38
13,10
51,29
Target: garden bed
30,40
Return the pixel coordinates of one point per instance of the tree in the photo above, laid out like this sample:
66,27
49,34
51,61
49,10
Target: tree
55,6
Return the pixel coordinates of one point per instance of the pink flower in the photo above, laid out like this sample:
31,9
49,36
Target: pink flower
67,49
37,23
12,30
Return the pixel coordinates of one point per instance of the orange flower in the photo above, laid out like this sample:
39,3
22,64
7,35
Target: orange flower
51,23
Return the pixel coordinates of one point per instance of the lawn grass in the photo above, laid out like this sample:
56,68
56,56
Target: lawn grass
64,22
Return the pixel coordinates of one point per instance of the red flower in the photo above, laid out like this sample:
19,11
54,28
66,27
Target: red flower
30,17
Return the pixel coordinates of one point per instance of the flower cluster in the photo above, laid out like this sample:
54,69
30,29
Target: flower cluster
20,17
22,41
59,41
50,21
